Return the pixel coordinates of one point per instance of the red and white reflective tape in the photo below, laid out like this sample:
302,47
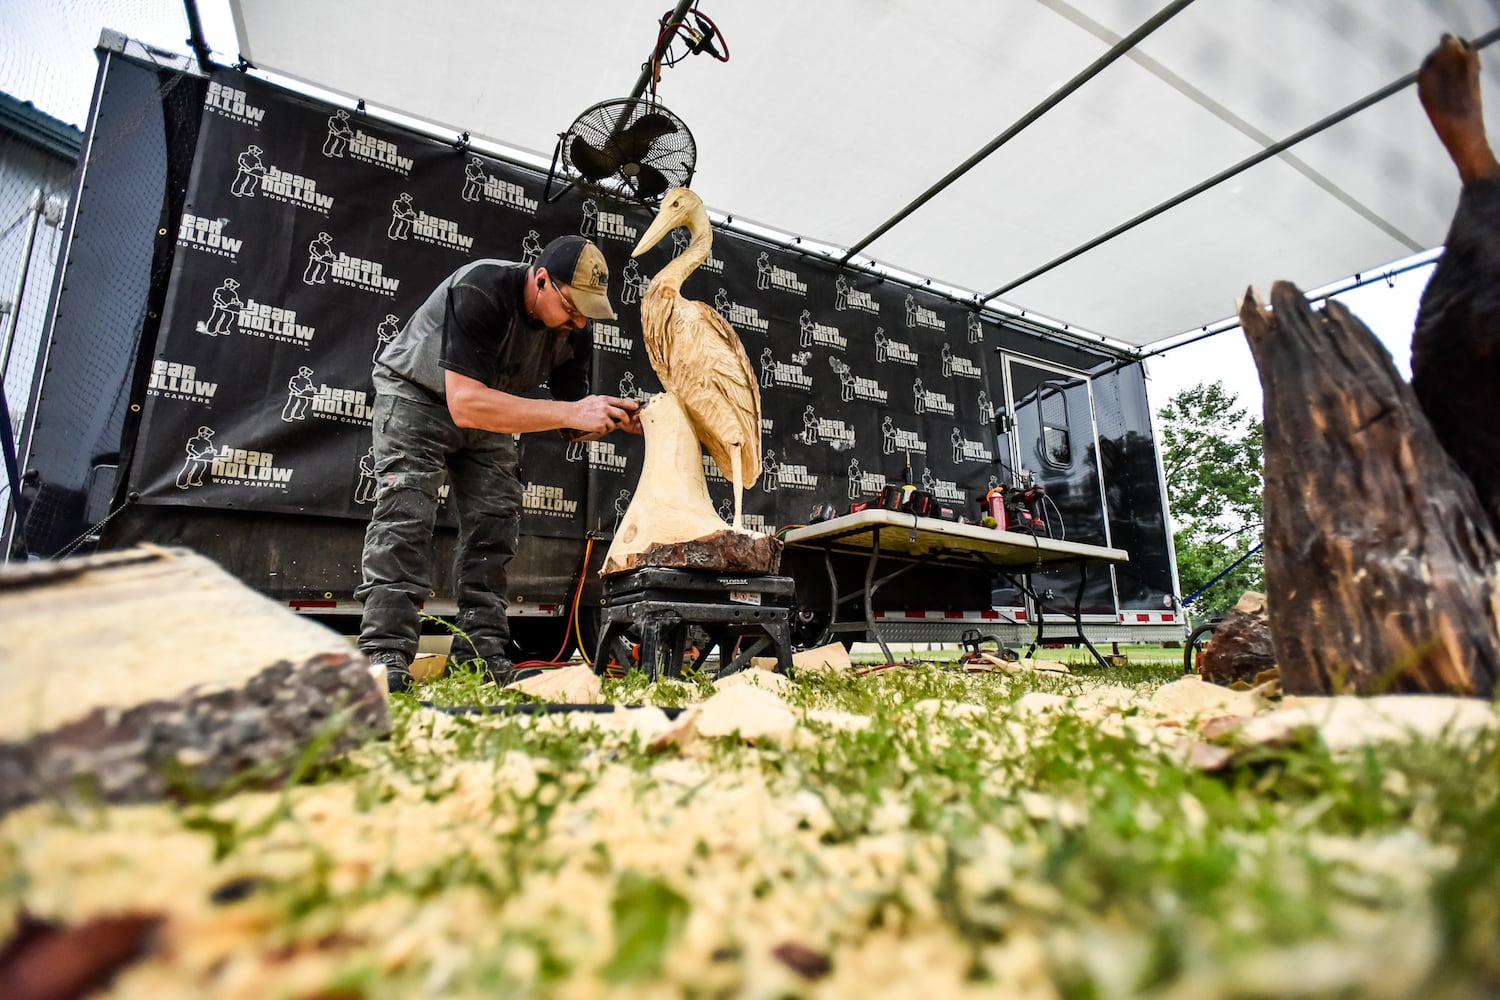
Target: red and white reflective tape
948,616
1148,618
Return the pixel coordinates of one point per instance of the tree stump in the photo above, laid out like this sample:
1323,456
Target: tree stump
1381,562
671,520
1241,648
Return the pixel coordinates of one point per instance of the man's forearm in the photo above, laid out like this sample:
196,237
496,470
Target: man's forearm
503,413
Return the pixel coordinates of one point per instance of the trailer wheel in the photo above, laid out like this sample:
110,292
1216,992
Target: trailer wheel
1194,642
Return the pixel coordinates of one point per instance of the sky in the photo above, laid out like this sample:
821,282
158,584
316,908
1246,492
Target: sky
46,57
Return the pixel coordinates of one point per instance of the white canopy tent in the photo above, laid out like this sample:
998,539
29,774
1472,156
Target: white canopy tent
829,118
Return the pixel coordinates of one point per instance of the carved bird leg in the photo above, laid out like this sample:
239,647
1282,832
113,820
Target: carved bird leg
1448,86
737,478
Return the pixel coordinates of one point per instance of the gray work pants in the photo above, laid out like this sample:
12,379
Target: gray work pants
417,447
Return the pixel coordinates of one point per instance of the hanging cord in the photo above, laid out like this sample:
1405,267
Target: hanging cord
577,598
557,660
13,468
90,532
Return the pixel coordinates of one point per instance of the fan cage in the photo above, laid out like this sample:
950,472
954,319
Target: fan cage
606,129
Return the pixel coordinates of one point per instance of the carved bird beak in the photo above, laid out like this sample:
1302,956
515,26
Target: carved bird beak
673,213
661,226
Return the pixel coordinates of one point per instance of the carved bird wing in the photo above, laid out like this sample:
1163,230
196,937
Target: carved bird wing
707,367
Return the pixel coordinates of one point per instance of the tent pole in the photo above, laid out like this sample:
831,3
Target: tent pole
1274,149
1117,50
195,37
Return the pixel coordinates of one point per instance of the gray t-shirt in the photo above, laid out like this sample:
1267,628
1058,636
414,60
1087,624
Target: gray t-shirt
475,323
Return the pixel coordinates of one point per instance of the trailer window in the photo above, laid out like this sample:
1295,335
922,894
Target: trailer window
1055,447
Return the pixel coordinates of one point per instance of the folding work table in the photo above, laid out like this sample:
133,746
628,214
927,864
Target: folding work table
905,541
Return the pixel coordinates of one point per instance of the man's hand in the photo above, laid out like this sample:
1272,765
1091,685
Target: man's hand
598,415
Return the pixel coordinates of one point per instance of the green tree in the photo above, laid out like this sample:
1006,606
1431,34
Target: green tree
1211,454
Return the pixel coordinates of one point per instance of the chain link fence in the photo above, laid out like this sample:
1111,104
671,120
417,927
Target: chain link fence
77,264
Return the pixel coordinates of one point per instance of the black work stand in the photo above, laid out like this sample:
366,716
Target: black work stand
907,541
743,615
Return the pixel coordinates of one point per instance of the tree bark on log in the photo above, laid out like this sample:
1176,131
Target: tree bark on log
133,674
1381,562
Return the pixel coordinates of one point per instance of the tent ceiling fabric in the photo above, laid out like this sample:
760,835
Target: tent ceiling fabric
830,117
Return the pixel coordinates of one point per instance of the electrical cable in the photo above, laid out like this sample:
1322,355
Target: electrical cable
577,597
557,660
1053,504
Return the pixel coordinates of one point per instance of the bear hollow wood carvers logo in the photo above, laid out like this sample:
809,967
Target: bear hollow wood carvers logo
743,318
966,450
382,152
607,337
825,430
354,272
942,489
856,387
925,400
598,225
480,186
889,350
958,366
410,222
900,441
812,333
207,235
846,296
245,467
919,316
711,470
603,457
784,374
862,483
549,501
770,275
233,104
274,324
253,177
174,380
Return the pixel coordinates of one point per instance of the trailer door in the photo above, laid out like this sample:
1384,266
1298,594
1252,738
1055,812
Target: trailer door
1047,430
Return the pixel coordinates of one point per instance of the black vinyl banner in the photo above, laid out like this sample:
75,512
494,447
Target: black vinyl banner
311,234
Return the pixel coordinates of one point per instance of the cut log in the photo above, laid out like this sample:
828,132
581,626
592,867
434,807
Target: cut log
1241,648
131,674
1381,563
726,551
671,504
1455,350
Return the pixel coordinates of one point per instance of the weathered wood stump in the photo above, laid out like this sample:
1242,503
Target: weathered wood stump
1241,648
131,674
1381,562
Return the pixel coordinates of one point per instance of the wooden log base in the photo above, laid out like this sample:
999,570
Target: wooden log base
726,551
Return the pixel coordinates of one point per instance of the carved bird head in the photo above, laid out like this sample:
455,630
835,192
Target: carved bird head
679,207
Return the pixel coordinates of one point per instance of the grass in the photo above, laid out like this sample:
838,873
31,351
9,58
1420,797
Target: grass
929,832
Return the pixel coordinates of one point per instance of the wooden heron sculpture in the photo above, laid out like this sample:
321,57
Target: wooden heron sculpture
712,398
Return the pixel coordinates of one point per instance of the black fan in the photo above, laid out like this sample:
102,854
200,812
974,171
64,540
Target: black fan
633,148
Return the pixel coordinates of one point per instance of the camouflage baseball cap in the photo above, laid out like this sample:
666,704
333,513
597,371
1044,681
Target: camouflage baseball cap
577,263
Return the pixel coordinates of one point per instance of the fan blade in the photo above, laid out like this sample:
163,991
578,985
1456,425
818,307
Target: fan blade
592,163
649,182
635,141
